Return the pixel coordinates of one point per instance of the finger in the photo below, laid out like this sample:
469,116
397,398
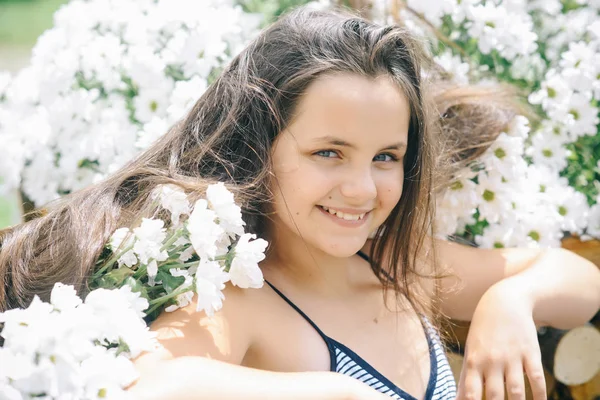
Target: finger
494,384
535,375
470,386
515,382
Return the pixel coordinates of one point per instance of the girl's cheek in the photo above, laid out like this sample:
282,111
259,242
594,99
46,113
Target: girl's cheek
390,189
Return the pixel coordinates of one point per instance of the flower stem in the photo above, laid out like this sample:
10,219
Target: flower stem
140,271
172,239
160,300
111,261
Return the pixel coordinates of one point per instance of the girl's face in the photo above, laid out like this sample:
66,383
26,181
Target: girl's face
338,167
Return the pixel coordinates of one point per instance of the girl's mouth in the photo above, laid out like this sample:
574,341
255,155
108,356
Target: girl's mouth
344,218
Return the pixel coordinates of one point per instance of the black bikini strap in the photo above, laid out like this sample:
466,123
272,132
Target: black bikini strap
299,312
363,256
366,258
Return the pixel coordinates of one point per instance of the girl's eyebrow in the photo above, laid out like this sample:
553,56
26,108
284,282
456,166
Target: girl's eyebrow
340,142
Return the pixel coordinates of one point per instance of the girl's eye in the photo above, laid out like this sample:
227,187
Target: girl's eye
385,157
326,153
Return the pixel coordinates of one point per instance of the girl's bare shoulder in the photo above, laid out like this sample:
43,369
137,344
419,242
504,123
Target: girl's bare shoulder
226,335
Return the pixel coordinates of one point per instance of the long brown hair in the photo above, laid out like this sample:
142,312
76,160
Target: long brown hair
227,137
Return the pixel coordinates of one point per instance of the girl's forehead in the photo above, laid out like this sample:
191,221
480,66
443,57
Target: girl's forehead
346,103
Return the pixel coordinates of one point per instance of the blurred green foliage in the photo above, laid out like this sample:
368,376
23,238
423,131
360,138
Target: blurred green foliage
22,21
9,211
271,9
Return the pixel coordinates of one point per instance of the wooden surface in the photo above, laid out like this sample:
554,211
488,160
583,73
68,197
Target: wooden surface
589,249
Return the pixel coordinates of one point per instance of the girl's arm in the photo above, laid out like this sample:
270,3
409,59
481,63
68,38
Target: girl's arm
194,378
505,293
200,358
563,288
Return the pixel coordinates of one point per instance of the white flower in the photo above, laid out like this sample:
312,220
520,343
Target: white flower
64,297
519,127
174,199
107,373
184,96
593,228
529,68
504,156
119,315
496,27
210,280
118,237
539,230
454,65
433,10
551,7
548,150
495,197
205,233
185,298
496,236
152,269
119,240
24,330
8,392
150,235
152,130
572,207
152,101
582,117
594,29
554,94
541,177
136,302
228,212
244,269
579,55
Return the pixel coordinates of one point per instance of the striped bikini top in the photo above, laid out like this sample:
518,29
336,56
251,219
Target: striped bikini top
441,385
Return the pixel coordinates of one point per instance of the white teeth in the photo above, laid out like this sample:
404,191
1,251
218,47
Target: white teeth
345,216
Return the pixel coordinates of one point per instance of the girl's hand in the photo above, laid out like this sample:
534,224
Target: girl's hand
501,345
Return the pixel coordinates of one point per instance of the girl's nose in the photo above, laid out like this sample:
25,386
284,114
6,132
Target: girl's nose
359,186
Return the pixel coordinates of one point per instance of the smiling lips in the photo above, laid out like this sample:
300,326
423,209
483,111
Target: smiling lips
347,216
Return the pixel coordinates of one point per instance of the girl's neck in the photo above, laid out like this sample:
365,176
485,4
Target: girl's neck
293,261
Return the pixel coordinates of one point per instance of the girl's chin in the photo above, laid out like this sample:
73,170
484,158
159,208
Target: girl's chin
342,250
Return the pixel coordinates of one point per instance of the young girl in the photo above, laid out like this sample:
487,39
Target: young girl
323,129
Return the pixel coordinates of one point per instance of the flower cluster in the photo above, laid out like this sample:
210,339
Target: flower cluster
538,181
503,201
74,349
107,80
202,248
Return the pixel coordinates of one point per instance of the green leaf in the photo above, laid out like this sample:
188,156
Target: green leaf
115,278
169,281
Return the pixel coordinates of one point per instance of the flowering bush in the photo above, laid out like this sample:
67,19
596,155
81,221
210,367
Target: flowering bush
74,349
108,79
539,180
101,88
69,349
